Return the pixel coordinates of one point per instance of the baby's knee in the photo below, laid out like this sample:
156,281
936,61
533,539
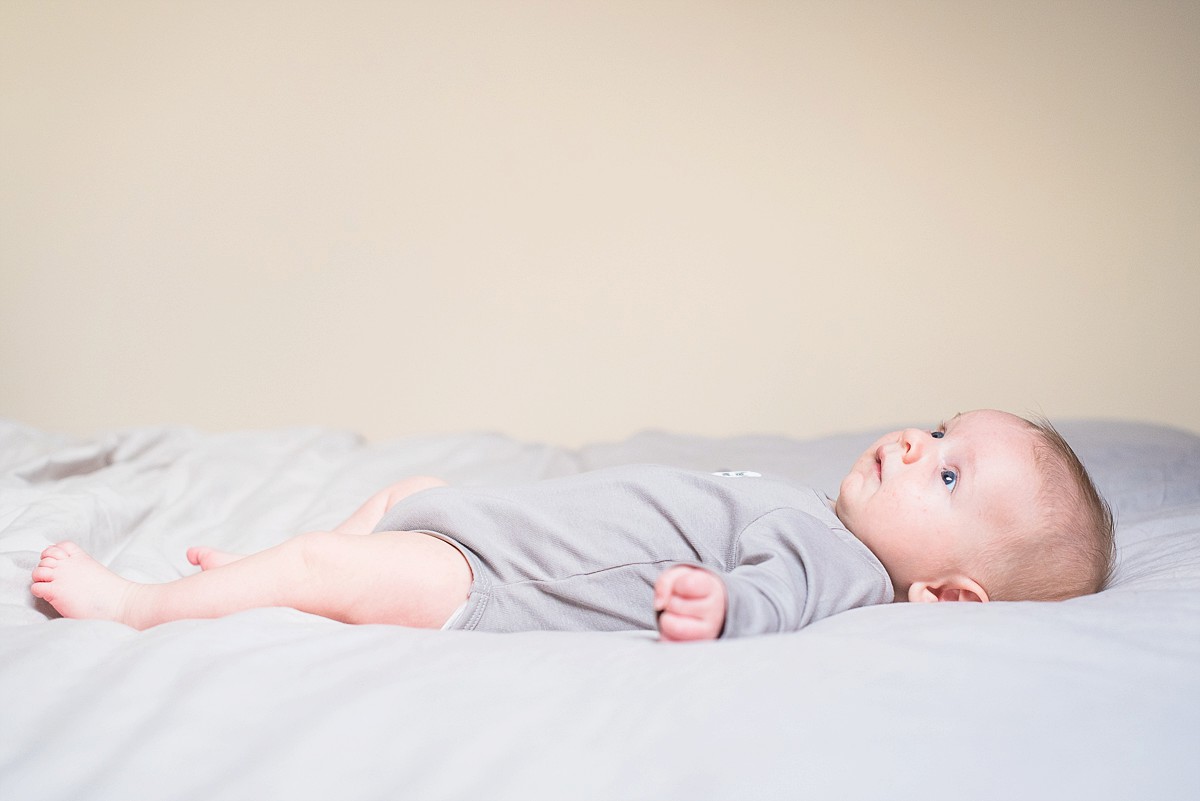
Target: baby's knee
418,483
410,486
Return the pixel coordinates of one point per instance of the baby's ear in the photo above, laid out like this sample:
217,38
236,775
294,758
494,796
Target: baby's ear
950,588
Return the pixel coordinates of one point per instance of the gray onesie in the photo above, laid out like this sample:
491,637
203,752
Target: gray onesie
582,553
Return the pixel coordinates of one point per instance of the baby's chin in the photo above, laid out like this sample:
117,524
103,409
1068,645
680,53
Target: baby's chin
839,507
845,491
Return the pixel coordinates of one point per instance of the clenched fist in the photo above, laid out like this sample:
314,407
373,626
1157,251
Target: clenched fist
690,603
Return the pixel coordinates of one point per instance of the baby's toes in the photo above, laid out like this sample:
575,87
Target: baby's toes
42,589
43,572
61,550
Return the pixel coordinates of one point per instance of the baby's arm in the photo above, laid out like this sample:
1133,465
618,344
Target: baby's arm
690,602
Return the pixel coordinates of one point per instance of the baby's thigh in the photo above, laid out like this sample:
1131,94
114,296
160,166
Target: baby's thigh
407,578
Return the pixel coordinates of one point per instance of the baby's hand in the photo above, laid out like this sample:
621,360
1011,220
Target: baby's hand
690,603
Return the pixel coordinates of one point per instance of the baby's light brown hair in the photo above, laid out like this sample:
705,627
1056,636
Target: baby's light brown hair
1071,551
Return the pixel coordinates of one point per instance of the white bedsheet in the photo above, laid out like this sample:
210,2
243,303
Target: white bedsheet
1096,698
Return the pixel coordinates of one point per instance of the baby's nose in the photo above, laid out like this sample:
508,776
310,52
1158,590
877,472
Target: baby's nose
912,444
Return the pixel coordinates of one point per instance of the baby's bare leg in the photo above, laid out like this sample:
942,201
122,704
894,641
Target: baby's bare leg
363,521
367,517
397,577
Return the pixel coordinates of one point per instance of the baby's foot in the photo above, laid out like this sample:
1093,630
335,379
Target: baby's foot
78,586
208,558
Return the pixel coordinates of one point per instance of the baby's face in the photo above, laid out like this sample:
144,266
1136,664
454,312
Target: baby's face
924,501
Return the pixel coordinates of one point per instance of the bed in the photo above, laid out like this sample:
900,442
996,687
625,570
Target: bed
1097,697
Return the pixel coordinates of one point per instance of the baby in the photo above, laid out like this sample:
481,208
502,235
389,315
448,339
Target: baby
988,506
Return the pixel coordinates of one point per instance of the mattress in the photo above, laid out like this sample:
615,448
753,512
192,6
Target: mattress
1097,697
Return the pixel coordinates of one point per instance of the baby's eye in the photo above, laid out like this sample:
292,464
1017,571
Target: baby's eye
950,479
937,433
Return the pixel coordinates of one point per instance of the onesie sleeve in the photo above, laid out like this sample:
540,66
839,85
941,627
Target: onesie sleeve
790,569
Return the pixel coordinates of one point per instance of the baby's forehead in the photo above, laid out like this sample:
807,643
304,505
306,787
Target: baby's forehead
1003,451
992,418
998,435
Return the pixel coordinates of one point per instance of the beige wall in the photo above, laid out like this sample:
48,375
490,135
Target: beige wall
571,221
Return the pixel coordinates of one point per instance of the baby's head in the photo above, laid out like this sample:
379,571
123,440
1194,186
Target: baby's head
987,506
